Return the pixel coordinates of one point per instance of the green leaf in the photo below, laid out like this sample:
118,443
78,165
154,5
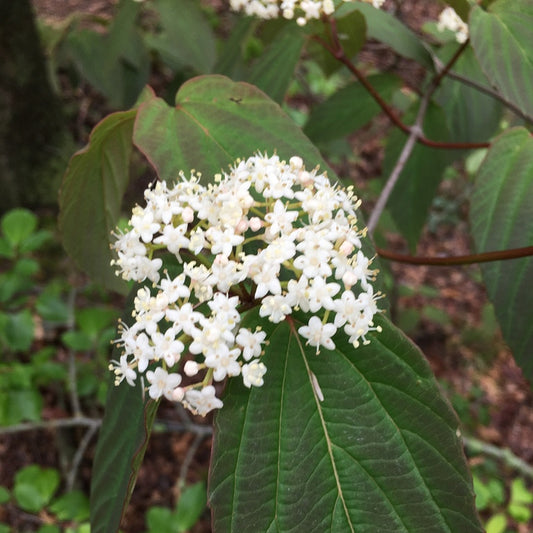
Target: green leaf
6,250
77,340
51,306
520,493
186,39
93,320
91,196
35,241
34,487
386,28
88,382
215,122
274,69
461,7
50,528
160,520
472,116
349,109
191,505
20,405
5,495
71,506
497,523
413,194
116,63
18,225
230,60
521,500
351,31
18,332
121,445
501,39
380,453
501,214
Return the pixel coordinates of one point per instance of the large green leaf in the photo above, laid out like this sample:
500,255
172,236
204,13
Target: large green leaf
414,192
381,452
502,42
121,445
386,28
472,115
501,215
349,109
274,69
215,122
186,39
91,195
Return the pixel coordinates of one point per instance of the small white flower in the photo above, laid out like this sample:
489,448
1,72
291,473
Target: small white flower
320,294
175,289
251,343
184,318
318,334
122,370
162,383
275,308
143,222
222,242
297,294
280,219
267,281
202,401
174,239
224,363
166,346
252,373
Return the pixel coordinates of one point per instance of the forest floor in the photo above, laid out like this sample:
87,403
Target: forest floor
445,310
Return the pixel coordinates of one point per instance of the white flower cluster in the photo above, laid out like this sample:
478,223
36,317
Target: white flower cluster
268,234
450,20
303,10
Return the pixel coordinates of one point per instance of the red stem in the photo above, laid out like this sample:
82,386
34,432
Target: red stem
458,259
337,51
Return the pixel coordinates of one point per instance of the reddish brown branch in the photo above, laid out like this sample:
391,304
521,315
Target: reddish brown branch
337,51
458,259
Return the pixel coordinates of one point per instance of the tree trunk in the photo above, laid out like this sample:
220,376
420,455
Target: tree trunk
32,126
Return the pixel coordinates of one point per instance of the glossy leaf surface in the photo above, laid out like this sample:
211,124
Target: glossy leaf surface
380,453
501,218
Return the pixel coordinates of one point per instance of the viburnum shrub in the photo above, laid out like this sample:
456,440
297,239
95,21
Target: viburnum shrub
269,234
254,293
